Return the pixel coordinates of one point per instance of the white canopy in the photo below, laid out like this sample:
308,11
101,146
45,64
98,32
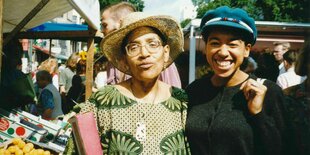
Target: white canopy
14,11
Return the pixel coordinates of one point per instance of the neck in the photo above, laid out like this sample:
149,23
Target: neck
233,80
144,91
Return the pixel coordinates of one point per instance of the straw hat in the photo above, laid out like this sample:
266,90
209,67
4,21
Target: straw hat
169,27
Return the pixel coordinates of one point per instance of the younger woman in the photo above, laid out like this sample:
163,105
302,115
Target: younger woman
231,112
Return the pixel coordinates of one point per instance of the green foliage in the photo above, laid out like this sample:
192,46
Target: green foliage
268,10
285,10
139,4
185,22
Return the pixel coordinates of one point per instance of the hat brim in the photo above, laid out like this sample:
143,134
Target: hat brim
112,44
233,25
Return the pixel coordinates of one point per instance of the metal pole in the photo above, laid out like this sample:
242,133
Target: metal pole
192,56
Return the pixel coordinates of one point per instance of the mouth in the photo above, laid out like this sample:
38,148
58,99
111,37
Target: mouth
145,65
224,64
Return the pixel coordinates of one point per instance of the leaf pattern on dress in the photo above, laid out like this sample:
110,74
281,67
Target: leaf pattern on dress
178,100
110,98
116,142
174,144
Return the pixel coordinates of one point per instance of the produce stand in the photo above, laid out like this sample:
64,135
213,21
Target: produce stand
19,129
43,134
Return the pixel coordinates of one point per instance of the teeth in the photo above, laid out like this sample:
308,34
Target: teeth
223,63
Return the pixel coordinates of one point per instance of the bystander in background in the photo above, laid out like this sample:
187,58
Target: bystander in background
49,106
289,78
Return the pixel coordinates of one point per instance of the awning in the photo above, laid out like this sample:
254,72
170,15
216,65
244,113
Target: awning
14,11
58,27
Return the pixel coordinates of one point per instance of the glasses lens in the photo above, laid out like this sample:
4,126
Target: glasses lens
134,49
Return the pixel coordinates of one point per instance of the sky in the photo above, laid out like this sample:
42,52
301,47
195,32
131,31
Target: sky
167,7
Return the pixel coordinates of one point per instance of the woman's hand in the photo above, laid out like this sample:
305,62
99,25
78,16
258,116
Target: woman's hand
254,93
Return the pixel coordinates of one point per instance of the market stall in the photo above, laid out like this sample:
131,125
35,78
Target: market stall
31,13
17,16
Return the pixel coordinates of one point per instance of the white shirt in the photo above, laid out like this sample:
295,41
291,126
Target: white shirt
289,78
101,79
281,68
55,80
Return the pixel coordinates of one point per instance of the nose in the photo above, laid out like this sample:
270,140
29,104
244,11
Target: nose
224,50
144,51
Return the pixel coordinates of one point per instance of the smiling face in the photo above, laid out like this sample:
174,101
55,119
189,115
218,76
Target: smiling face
225,52
150,60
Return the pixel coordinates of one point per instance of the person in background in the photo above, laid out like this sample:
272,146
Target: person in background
65,78
49,106
100,72
76,93
110,21
267,66
51,65
289,78
16,88
249,65
298,105
81,69
146,114
279,49
66,75
231,112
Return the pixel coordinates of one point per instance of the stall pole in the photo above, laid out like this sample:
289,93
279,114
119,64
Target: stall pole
50,49
89,68
192,56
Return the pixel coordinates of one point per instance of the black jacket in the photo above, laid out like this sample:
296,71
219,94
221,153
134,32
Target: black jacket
219,123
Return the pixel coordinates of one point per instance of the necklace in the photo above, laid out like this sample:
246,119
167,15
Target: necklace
141,124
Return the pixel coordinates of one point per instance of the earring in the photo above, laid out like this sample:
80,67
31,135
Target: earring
164,67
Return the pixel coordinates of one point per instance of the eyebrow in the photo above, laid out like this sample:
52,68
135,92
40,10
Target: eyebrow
147,39
231,39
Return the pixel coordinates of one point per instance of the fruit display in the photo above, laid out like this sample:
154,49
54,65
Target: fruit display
18,146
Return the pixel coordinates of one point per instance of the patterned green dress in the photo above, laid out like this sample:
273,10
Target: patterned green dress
117,116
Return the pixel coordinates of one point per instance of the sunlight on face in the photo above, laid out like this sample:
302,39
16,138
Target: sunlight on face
146,64
225,52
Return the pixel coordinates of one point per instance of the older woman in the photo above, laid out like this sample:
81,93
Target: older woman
141,115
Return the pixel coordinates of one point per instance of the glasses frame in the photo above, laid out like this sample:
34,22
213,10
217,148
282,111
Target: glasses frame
147,46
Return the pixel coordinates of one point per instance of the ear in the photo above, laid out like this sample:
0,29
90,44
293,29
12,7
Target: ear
247,50
166,53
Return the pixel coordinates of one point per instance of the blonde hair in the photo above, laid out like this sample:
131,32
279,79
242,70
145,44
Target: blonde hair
50,65
72,59
286,45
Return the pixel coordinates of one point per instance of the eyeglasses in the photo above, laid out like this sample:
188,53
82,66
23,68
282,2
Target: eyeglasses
133,49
